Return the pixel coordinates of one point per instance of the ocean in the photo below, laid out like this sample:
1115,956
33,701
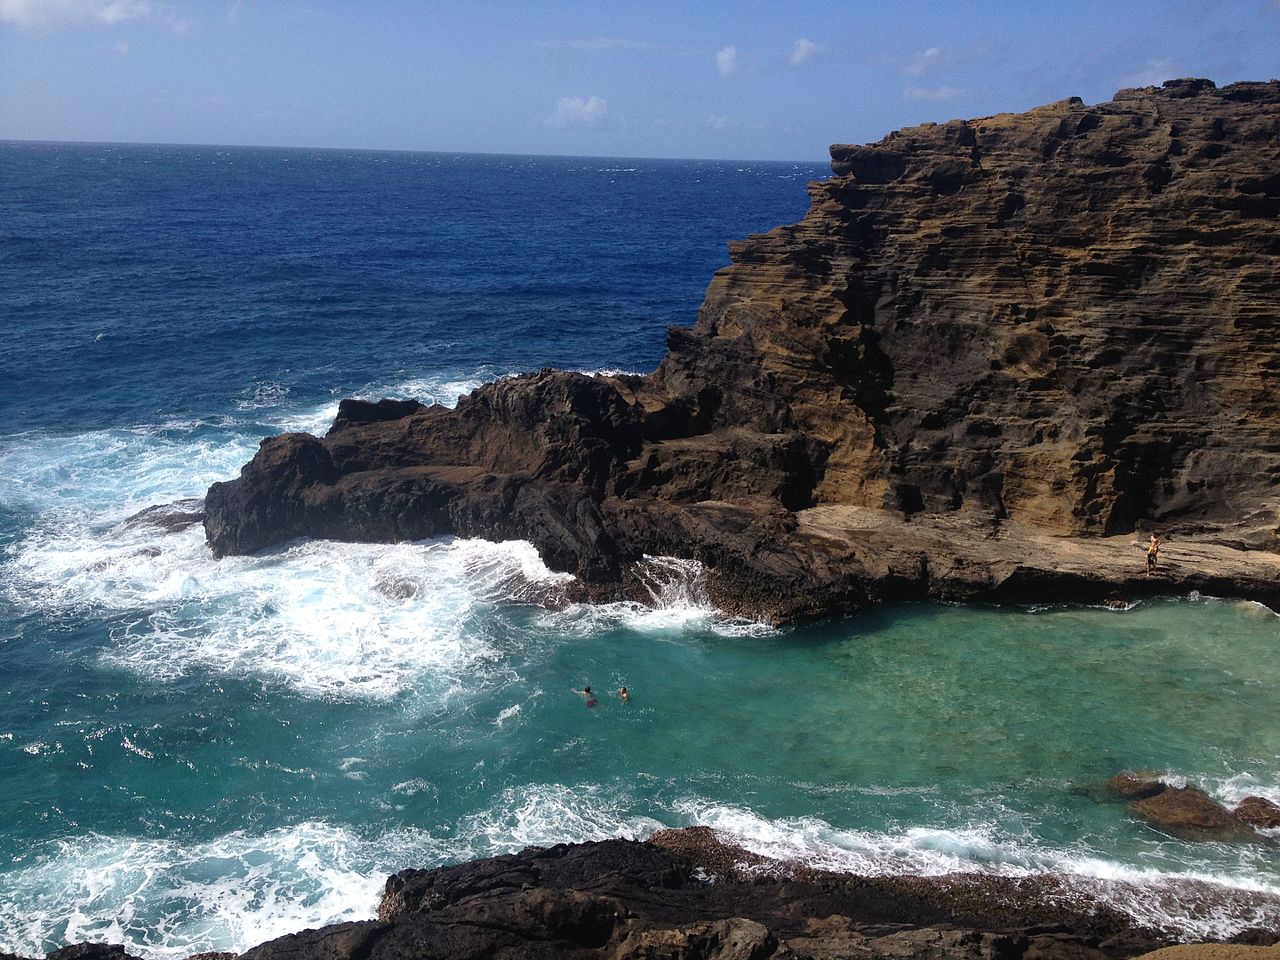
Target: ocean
201,755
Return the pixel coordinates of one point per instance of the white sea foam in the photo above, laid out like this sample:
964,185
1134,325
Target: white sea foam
678,602
104,476
1190,903
1231,790
328,619
169,899
542,815
443,390
507,713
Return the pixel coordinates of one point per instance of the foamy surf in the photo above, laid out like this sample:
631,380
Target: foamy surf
168,899
678,603
1186,902
327,619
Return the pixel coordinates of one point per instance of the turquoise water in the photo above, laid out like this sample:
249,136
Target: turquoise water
201,755
256,750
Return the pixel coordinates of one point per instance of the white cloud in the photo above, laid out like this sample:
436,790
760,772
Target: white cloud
803,50
123,47
922,61
719,121
63,13
1152,74
727,61
933,94
573,111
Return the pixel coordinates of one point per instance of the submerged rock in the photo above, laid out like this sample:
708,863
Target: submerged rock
1259,812
171,517
1191,813
1136,786
991,352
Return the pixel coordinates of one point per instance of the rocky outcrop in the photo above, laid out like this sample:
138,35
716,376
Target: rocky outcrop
1188,812
662,900
688,893
1258,812
991,351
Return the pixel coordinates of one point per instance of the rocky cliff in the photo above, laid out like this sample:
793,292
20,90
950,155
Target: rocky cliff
991,351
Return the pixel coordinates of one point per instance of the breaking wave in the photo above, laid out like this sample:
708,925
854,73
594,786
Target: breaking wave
167,899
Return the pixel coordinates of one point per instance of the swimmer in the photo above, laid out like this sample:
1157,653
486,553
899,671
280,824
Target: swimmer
586,694
626,697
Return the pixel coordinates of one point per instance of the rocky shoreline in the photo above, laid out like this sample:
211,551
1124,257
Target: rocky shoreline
687,894
991,357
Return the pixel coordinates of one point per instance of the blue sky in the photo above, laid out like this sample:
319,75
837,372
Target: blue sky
738,80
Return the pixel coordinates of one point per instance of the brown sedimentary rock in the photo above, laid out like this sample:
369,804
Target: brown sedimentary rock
1191,813
1136,786
1258,812
991,351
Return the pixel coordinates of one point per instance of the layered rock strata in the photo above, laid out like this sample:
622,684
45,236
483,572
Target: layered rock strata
991,351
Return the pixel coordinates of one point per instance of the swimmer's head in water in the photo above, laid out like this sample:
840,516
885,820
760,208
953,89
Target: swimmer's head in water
586,689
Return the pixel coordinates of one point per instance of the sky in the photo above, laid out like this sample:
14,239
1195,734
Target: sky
723,80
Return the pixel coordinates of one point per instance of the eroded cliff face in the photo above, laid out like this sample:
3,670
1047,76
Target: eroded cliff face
984,333
1065,317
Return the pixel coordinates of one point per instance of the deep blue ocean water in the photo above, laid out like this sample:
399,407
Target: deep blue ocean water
201,755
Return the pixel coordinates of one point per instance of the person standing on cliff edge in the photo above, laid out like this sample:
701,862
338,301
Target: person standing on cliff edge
1153,554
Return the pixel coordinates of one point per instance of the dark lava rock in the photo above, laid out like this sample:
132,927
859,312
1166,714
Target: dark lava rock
91,951
1258,812
353,412
1191,813
991,351
621,899
691,894
171,517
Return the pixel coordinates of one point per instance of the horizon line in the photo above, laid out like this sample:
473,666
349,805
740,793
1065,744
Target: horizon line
464,153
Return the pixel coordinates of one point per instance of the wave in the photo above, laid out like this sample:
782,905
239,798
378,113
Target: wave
325,618
103,476
678,602
168,899
1190,903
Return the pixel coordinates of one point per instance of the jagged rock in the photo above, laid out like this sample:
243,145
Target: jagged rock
91,951
991,351
687,897
1191,813
623,900
352,412
733,939
1136,786
171,517
1258,812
